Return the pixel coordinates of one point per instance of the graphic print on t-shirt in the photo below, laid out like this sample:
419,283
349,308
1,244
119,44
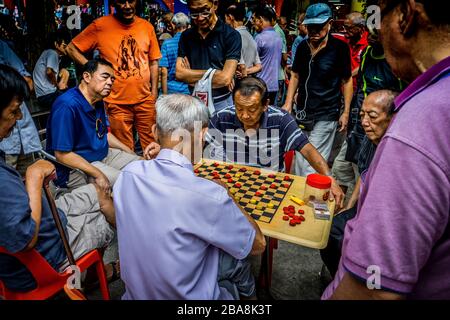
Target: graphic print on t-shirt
128,58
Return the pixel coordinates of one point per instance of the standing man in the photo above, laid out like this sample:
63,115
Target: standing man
234,16
168,61
280,27
302,34
409,175
357,35
130,44
321,71
269,49
210,43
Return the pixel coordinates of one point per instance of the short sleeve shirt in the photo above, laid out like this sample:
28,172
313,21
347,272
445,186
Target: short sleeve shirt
129,48
403,222
17,229
320,89
221,44
42,85
75,126
278,134
249,50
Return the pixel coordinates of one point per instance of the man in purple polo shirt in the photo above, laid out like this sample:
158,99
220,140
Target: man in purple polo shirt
181,236
269,46
399,242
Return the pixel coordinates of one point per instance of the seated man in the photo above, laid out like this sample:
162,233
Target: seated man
256,134
49,80
77,132
182,236
26,221
376,114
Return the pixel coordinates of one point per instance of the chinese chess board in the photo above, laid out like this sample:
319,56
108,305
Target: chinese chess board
260,194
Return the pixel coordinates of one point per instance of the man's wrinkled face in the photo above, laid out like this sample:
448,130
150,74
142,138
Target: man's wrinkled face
352,32
202,13
126,9
249,109
10,115
101,81
374,119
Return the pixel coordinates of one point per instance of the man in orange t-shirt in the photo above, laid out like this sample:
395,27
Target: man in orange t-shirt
130,44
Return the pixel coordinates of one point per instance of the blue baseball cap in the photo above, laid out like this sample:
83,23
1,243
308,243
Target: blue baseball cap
318,13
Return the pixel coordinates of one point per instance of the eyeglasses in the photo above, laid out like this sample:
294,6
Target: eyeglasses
204,14
100,128
316,28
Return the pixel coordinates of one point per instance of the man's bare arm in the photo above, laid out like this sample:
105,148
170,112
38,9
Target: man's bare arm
75,54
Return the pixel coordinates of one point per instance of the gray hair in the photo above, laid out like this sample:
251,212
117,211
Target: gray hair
356,18
180,111
180,20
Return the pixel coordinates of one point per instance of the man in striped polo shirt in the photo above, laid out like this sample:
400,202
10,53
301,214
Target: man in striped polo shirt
256,134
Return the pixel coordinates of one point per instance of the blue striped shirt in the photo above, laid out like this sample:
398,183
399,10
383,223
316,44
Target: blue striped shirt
277,134
169,51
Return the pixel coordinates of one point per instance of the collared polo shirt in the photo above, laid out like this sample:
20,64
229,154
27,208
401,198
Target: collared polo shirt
71,126
277,134
320,78
221,44
403,222
171,225
169,51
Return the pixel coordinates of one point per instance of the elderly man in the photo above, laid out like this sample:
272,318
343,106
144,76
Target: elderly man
181,236
376,114
356,34
321,72
130,44
26,221
78,135
210,43
169,51
254,133
389,247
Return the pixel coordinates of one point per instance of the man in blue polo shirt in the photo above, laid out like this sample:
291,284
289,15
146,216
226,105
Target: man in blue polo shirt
256,134
77,132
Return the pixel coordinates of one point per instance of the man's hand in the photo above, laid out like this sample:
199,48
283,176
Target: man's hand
151,151
337,194
103,182
287,107
231,86
185,63
343,122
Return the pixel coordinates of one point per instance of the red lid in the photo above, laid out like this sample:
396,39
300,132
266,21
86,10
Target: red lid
318,181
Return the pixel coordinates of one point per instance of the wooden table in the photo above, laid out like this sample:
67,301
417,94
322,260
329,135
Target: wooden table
311,233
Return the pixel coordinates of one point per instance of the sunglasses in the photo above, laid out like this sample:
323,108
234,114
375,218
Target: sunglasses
100,128
204,14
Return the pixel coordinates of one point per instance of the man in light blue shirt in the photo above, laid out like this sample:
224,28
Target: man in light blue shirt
270,48
24,140
181,236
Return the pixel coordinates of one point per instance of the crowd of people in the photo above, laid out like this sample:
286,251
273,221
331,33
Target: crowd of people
213,87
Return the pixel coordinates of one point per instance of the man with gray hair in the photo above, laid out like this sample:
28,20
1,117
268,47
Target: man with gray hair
169,51
182,236
357,36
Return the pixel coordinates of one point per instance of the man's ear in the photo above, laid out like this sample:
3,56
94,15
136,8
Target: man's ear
87,77
155,132
408,18
215,5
